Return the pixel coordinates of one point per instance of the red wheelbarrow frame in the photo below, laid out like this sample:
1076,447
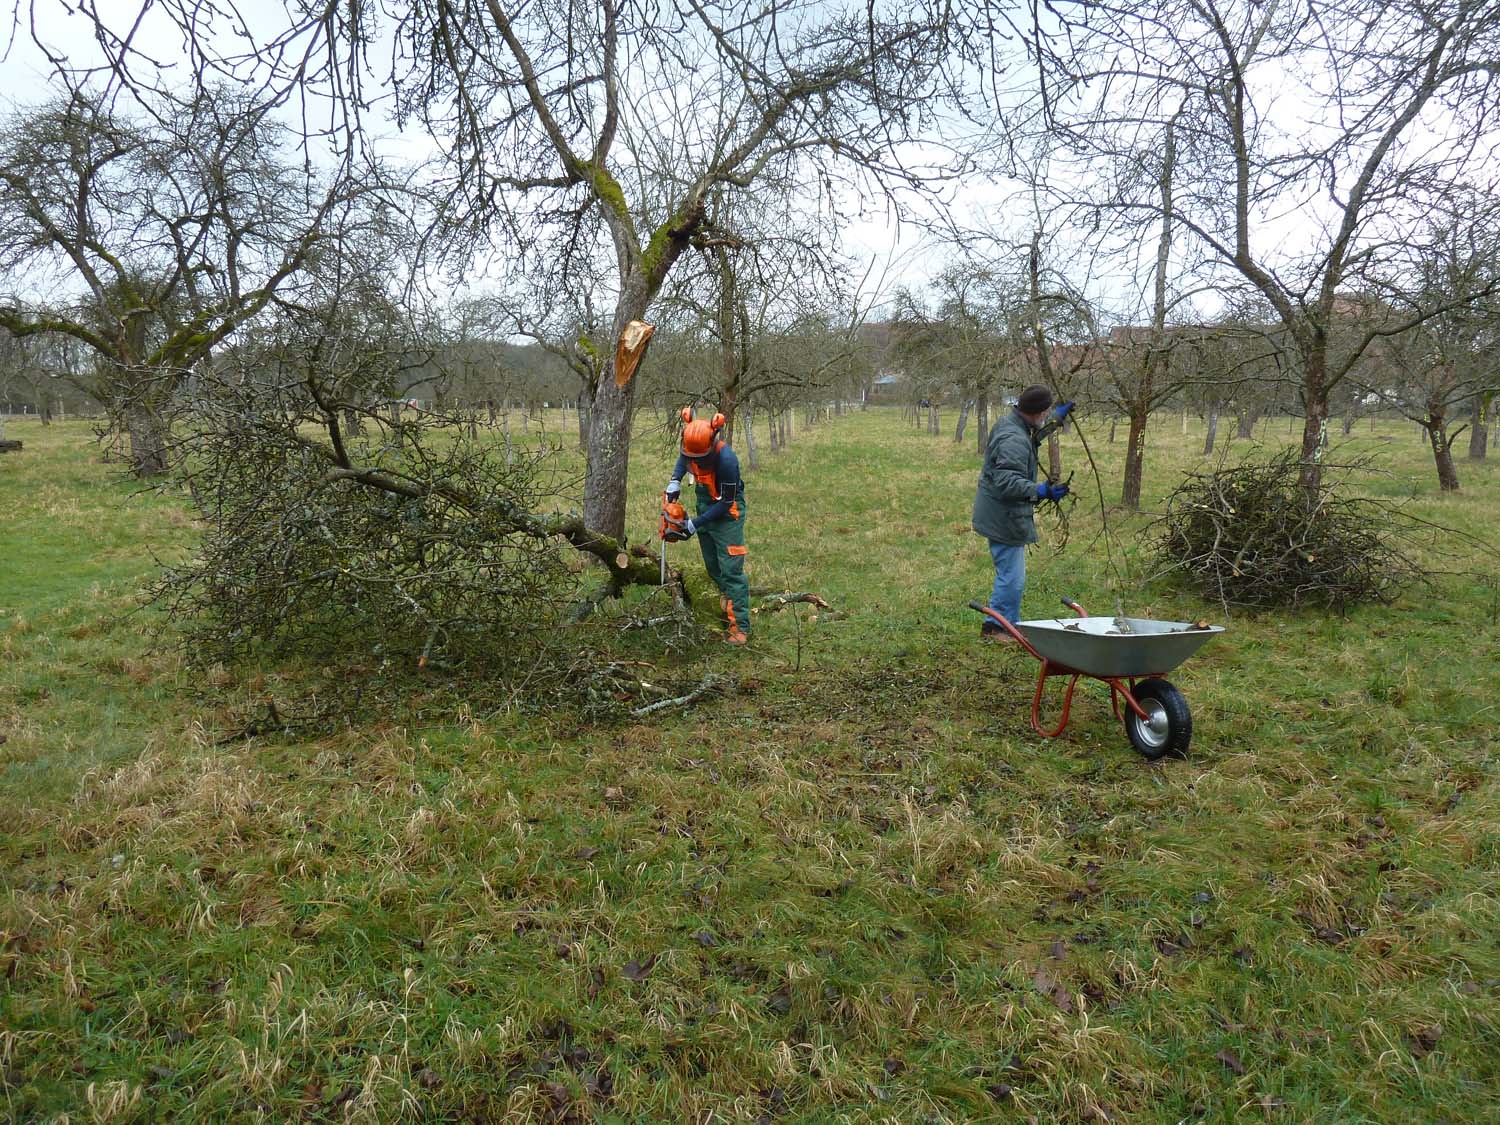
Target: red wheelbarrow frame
1120,687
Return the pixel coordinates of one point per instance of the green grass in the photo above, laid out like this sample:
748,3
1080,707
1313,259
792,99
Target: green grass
858,889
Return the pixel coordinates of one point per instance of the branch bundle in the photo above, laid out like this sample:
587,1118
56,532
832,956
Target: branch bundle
1251,535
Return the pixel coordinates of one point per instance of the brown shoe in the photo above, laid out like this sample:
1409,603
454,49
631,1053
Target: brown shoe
991,632
735,637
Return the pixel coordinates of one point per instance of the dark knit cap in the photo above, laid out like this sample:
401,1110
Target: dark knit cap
1034,399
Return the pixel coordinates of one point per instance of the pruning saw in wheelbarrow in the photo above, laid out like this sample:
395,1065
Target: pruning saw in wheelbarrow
1131,655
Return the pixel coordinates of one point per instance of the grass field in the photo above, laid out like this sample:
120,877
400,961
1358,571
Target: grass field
859,888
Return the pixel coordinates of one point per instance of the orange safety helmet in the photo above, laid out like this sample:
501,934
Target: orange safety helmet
698,435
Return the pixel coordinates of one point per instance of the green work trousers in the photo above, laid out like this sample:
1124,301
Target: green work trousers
723,545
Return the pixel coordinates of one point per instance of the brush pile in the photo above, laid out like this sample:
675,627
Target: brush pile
1251,536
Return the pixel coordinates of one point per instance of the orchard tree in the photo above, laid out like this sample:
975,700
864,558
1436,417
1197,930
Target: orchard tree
150,240
768,278
1431,370
555,119
1398,110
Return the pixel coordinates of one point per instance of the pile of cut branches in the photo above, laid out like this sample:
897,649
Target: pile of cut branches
345,525
1250,535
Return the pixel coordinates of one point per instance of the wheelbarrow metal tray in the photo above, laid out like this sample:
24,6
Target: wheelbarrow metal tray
1100,646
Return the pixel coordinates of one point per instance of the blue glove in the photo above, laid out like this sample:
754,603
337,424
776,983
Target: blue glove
1045,491
1062,411
674,487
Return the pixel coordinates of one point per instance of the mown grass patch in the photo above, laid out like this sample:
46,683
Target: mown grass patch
857,888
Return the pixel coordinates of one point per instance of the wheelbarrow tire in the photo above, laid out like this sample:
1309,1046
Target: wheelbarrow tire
1170,728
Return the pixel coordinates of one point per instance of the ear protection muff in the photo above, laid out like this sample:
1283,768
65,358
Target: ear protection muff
716,423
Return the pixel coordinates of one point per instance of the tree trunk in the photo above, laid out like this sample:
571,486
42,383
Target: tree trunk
353,423
1113,422
771,429
1054,458
1213,432
1436,426
984,424
963,420
728,406
729,322
752,461
1135,457
394,410
1479,428
1246,423
1153,360
148,443
1315,426
608,451
1442,455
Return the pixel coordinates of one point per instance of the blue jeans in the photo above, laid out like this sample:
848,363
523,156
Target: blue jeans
1010,579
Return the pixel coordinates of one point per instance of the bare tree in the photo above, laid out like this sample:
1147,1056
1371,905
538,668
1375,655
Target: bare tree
1375,75
555,116
1431,369
558,314
770,294
150,241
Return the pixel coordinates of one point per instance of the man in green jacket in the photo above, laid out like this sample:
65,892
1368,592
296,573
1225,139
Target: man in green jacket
1005,503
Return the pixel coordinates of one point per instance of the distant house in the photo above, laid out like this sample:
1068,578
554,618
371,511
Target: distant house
884,387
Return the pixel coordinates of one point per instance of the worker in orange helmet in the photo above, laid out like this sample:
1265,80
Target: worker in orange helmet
720,522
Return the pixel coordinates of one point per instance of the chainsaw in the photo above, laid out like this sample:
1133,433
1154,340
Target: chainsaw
670,528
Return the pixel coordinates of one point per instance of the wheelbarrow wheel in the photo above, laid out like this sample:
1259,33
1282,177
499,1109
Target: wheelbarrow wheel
1168,726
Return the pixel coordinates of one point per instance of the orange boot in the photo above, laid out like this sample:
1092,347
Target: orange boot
736,635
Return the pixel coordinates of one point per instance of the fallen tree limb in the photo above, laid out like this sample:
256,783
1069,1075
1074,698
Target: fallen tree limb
773,602
709,686
651,622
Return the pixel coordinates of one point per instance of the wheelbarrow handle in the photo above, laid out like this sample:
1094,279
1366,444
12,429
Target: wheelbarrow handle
1005,623
997,617
1075,607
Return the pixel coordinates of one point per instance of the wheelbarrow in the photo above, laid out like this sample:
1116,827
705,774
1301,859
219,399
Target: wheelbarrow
1130,654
